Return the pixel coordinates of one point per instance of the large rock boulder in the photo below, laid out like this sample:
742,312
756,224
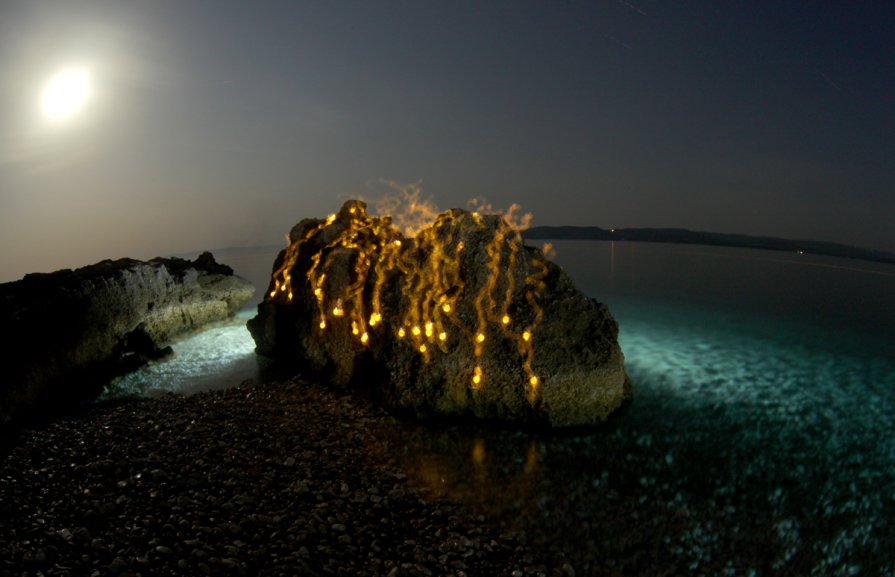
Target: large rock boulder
461,319
68,332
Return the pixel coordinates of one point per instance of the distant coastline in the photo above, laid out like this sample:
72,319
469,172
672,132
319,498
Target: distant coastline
684,236
667,235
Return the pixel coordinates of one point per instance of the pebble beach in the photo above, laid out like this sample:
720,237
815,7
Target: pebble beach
293,478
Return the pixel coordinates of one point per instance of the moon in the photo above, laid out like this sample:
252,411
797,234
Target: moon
65,94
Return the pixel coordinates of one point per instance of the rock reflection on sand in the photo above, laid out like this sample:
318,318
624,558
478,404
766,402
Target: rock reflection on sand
470,474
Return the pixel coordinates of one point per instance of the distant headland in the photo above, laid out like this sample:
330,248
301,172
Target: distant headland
684,236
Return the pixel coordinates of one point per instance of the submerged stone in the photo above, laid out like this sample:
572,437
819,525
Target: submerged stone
69,332
462,319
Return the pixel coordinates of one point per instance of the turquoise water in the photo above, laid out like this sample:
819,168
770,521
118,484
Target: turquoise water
783,419
220,357
772,377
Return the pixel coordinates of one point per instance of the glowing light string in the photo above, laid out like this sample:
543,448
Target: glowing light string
429,263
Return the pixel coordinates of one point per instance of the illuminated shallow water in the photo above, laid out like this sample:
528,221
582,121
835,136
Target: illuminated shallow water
220,357
764,407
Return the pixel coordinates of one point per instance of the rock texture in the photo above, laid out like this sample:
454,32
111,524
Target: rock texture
460,320
69,332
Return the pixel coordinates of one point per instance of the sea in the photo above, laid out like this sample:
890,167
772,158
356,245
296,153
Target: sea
764,392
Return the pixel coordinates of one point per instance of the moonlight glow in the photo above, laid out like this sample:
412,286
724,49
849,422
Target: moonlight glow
65,94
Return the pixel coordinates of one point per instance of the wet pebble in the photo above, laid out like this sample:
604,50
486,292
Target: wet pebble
216,483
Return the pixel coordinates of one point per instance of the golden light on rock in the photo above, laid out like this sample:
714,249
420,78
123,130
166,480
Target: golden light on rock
452,320
430,281
478,452
477,378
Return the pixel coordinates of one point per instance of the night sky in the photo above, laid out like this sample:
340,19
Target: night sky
221,123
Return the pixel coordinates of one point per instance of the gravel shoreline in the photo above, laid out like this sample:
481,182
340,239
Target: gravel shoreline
293,478
273,479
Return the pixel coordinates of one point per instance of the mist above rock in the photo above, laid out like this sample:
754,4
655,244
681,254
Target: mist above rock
461,319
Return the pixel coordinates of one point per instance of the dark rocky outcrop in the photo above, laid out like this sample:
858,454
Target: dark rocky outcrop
461,319
68,332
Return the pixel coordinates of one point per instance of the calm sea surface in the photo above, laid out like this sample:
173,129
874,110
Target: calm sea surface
763,413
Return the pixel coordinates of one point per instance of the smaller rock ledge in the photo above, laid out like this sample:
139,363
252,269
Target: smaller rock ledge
69,332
